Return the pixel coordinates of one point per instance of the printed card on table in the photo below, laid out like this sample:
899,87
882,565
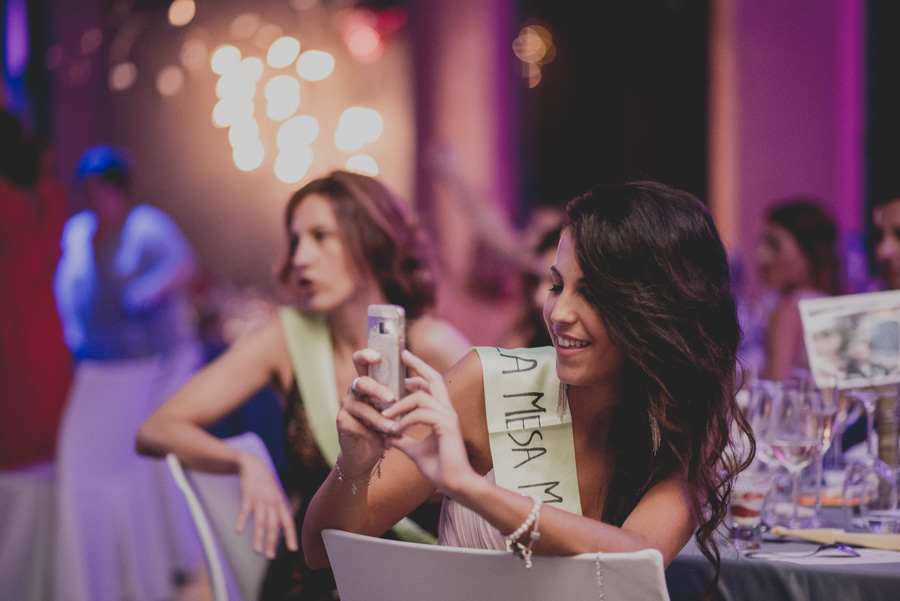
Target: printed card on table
853,341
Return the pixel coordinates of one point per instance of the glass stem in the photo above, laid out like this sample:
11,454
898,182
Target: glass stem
819,470
870,427
836,451
795,498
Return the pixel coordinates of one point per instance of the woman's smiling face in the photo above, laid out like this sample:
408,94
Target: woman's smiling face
585,355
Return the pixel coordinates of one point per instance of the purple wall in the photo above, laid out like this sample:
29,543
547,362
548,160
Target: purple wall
795,107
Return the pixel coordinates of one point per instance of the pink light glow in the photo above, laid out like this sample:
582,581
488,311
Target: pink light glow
16,38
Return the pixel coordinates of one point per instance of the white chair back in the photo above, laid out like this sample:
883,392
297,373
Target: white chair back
374,569
236,573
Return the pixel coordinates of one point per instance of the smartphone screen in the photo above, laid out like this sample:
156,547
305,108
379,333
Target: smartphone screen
387,335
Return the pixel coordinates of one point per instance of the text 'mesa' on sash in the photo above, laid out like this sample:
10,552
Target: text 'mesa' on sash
533,450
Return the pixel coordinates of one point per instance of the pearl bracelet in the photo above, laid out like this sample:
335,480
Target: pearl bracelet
531,523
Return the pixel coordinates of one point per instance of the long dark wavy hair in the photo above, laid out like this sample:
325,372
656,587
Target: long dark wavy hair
380,233
656,270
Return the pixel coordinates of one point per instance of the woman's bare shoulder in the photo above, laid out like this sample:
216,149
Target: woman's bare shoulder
437,342
263,347
465,384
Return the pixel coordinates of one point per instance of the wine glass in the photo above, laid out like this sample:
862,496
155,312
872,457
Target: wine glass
870,483
838,411
796,433
764,395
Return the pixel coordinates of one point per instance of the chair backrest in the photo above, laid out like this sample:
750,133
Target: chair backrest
374,569
236,571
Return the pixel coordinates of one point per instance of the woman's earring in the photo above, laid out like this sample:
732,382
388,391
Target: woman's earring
562,403
654,434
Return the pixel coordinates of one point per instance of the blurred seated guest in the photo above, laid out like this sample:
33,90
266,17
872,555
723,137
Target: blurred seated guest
886,241
351,243
797,259
35,365
122,288
509,260
531,331
635,399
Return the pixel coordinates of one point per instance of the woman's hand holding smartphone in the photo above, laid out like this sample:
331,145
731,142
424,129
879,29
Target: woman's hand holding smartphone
387,335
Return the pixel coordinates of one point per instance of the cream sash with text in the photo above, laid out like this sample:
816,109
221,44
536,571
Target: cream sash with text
533,451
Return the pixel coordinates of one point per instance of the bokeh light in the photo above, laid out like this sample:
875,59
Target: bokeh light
283,52
243,132
224,58
291,165
279,109
283,97
358,126
297,131
364,44
122,76
315,65
229,111
362,163
194,53
91,40
170,81
244,26
534,47
236,83
181,12
261,72
253,66
249,156
266,35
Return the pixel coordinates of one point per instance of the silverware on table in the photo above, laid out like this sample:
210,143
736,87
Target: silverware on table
846,550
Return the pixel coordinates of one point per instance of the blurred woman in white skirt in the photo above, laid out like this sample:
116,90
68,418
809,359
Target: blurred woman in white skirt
122,290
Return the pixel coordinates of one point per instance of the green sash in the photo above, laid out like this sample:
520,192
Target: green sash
532,449
309,344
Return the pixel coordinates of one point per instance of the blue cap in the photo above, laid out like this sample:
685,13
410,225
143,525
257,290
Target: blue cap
100,159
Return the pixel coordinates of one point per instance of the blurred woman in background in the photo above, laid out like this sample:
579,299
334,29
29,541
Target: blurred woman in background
351,243
798,259
122,287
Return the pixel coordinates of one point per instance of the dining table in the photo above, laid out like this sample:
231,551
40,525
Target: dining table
778,575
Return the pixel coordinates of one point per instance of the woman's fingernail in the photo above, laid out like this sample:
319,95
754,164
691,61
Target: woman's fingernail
388,426
388,397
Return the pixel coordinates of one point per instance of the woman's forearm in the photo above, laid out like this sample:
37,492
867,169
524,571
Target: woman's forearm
342,504
194,446
565,533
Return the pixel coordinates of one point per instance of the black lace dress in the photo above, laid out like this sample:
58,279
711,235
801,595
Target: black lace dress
288,577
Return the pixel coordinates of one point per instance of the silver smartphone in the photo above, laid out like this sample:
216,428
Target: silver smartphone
387,335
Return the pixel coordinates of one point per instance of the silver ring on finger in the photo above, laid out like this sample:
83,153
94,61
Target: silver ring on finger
353,387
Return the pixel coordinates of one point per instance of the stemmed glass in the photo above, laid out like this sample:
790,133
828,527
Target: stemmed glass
870,483
764,396
796,433
837,411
